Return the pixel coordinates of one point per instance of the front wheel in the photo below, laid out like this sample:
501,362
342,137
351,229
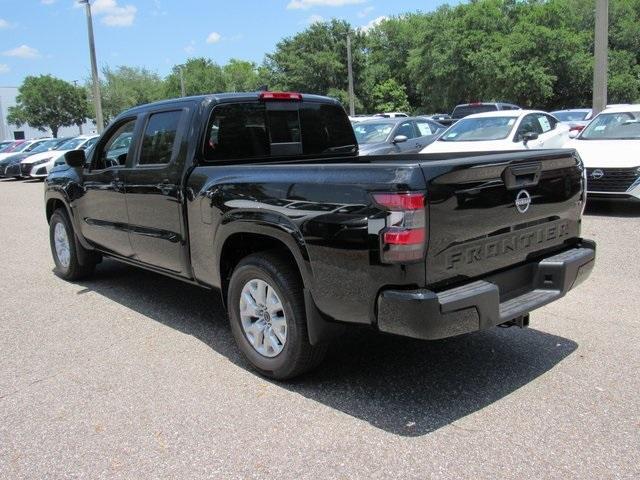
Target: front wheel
65,250
267,315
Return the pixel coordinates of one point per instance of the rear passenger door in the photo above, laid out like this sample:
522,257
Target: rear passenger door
152,182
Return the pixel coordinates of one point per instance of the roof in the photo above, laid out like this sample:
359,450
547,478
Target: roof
585,110
632,107
222,98
503,113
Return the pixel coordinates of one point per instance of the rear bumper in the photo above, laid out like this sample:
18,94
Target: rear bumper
484,303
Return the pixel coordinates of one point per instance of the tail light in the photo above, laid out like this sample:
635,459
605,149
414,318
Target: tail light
404,236
576,128
280,96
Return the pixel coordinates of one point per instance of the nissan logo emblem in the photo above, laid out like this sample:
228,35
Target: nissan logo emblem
597,174
523,200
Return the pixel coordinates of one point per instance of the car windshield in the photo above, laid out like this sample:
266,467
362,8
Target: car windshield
569,116
46,146
479,129
72,144
372,132
613,126
462,111
5,145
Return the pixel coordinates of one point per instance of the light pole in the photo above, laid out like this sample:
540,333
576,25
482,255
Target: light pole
600,51
182,89
352,106
97,101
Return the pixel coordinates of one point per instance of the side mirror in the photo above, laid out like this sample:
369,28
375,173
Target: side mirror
573,133
75,158
400,139
527,137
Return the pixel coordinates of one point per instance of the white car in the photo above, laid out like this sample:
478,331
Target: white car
24,147
502,130
39,165
610,149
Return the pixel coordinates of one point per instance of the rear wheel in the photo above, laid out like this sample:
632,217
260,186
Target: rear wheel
267,315
66,251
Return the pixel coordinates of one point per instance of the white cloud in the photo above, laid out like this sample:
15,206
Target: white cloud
191,47
214,37
306,4
23,51
112,13
373,23
4,68
314,19
366,11
4,24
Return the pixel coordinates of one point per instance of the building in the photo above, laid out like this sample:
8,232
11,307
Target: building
12,132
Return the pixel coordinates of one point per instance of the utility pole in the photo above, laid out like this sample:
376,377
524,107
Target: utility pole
600,52
182,90
97,100
352,100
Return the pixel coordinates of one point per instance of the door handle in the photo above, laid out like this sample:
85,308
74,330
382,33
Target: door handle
117,185
165,187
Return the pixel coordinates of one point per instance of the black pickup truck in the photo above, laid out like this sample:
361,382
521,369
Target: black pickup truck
263,197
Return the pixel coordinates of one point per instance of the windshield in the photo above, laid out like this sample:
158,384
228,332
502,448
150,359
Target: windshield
46,146
570,116
613,126
72,144
372,132
462,111
479,129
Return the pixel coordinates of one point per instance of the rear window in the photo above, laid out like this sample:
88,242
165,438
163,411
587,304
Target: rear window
258,130
462,111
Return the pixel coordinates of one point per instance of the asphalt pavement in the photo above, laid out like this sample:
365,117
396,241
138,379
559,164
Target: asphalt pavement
133,375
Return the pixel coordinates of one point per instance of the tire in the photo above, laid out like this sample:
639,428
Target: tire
69,267
297,355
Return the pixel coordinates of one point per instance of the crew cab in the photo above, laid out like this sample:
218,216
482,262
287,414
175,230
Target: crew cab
264,198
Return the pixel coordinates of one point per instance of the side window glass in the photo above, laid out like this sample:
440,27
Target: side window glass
236,131
159,138
543,123
114,152
529,124
424,128
552,121
406,129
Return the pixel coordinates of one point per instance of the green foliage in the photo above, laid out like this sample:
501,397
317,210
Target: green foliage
201,76
314,60
390,96
343,97
48,102
126,87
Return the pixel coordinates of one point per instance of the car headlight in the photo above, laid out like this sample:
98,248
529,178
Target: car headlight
39,162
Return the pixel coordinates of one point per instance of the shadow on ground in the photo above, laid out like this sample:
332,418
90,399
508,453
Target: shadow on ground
613,208
399,385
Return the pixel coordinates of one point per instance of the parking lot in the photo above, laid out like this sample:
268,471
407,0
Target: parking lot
132,375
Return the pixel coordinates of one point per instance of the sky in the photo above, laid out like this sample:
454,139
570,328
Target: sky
50,36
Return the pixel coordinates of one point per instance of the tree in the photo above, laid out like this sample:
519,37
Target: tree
201,76
315,60
126,87
343,97
241,76
390,96
48,102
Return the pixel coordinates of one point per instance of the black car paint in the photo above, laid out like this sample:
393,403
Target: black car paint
185,218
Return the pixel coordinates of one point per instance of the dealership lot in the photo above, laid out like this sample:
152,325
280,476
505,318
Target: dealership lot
132,375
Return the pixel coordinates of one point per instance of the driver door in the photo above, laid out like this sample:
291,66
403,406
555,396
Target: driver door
529,124
102,209
407,129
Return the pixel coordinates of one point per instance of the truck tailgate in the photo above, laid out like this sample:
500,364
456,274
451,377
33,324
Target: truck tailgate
493,210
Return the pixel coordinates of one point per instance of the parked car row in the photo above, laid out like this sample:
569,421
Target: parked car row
36,158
